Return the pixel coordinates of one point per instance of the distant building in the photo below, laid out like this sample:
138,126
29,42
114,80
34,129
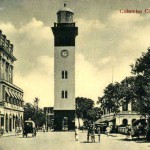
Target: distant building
49,112
11,96
125,116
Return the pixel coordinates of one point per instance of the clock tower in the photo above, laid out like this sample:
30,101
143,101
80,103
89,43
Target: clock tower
65,33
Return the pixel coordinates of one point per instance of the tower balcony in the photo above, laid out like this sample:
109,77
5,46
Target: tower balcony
64,24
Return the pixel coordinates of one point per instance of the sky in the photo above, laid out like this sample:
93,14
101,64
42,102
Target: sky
108,42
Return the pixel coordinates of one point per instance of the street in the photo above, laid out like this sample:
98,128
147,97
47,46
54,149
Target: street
65,141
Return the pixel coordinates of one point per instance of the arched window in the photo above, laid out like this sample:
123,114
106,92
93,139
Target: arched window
133,120
125,122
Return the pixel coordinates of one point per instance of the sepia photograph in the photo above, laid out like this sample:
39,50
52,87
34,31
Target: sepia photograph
74,74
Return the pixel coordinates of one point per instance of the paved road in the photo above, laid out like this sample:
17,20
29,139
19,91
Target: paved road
65,141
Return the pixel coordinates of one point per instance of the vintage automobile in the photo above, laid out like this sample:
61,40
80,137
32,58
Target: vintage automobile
29,128
139,128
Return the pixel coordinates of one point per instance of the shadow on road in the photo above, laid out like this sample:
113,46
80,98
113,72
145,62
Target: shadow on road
112,135
89,142
141,140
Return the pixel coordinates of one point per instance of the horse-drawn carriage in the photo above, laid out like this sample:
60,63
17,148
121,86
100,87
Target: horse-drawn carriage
29,128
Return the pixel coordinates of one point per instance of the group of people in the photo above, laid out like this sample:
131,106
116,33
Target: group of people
92,131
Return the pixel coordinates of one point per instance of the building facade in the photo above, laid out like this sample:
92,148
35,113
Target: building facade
126,115
11,96
65,33
49,113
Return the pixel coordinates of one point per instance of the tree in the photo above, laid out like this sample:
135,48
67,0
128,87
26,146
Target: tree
134,89
29,112
93,114
82,106
39,118
111,97
118,93
141,69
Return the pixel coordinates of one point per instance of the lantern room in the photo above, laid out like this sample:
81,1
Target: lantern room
65,15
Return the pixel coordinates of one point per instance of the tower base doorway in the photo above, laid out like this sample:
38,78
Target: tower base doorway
64,120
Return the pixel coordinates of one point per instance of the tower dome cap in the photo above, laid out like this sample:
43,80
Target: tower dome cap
65,9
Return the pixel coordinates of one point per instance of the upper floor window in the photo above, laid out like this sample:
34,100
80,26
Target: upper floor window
64,94
64,74
133,106
125,106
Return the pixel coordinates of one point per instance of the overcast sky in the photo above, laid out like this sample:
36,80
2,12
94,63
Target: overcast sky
107,39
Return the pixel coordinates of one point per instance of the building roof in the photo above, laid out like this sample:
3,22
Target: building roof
65,9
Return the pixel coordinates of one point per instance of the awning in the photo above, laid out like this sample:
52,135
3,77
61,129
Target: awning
20,97
16,96
104,120
7,92
111,119
12,95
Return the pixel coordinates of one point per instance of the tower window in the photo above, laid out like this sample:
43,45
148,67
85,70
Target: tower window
125,107
64,74
64,94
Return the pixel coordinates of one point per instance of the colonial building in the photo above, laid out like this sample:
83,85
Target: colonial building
65,33
125,116
11,96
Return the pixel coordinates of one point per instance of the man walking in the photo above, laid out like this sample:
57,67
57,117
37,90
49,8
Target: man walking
99,133
76,134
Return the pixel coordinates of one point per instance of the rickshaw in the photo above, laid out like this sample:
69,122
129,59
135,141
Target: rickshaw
29,128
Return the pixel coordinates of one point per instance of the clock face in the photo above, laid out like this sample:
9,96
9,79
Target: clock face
64,53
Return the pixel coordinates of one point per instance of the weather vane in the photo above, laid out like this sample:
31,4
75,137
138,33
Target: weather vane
65,2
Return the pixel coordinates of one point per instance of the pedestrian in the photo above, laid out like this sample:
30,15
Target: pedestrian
128,132
1,131
108,130
17,131
99,133
76,134
93,135
44,128
88,134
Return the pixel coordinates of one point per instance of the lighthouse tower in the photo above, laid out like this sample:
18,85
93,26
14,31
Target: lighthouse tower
65,33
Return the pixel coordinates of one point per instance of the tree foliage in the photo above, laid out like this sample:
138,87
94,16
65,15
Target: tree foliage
93,114
134,89
111,97
82,106
37,116
141,69
85,109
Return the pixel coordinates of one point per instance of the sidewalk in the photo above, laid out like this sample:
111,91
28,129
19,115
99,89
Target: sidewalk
9,134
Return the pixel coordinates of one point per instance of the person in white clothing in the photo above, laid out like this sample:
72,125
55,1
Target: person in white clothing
76,134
